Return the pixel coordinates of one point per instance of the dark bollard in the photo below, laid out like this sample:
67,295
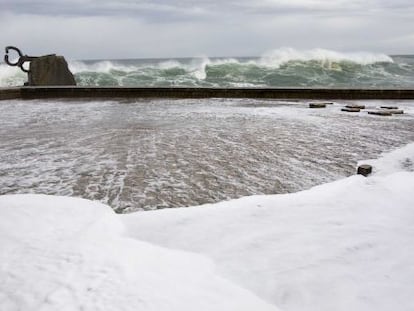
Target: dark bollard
364,170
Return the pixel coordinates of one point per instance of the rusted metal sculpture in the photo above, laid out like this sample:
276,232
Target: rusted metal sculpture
43,70
22,58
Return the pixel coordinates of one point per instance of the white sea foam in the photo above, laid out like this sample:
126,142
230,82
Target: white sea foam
400,160
80,258
346,245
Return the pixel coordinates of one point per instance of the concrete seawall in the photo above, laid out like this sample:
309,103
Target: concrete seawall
175,92
10,93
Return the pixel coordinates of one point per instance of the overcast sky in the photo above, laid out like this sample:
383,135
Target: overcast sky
99,29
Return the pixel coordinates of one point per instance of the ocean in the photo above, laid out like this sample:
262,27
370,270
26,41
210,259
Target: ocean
285,67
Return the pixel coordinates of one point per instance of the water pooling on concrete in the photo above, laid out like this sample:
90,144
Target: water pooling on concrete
148,154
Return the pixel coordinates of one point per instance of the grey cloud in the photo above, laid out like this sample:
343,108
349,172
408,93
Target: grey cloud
167,10
141,9
161,28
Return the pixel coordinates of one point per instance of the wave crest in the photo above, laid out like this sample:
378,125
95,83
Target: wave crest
276,58
104,66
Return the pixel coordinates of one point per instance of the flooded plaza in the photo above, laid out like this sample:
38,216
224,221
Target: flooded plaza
149,154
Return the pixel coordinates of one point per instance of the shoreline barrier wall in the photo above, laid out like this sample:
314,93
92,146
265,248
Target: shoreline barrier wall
183,92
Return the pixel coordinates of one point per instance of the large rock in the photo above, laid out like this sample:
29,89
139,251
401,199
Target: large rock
50,70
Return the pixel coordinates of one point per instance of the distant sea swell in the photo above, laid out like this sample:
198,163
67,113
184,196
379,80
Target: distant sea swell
284,67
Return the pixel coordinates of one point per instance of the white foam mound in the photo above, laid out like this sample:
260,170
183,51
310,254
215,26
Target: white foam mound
71,254
347,245
400,160
277,57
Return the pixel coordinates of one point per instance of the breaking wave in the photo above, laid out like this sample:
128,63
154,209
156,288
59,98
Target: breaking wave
285,67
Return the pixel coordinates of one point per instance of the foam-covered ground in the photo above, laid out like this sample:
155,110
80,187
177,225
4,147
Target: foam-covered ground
346,245
148,154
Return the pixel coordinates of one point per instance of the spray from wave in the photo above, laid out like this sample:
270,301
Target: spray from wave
11,76
285,67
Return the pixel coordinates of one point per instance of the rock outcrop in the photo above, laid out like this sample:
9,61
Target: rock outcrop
50,70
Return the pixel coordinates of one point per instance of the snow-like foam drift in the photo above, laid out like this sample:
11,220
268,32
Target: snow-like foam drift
400,160
61,253
347,245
